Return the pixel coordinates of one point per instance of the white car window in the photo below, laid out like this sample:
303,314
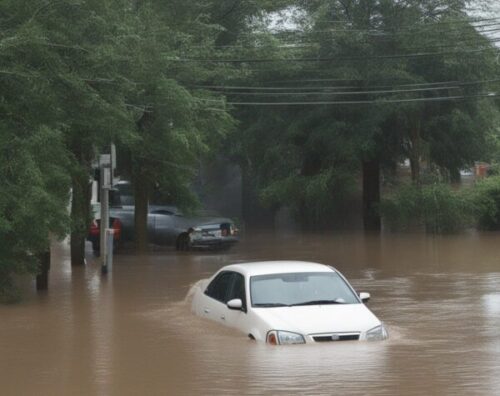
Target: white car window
219,288
300,289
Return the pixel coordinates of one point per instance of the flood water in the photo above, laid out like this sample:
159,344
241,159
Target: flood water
132,333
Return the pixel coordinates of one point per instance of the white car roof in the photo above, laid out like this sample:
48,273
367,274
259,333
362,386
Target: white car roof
277,267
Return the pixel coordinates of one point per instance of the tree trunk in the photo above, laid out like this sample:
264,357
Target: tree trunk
246,197
80,216
309,218
256,216
371,195
415,152
42,279
141,194
455,176
415,169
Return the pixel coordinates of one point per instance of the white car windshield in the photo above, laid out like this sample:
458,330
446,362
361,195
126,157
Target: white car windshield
307,288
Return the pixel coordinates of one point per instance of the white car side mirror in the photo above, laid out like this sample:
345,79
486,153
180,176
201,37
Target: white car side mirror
236,304
365,297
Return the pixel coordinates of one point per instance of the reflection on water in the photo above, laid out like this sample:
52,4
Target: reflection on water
132,333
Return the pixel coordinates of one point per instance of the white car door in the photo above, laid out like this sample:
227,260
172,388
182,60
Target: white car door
237,318
214,302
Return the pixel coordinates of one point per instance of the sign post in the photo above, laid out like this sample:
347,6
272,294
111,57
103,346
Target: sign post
107,163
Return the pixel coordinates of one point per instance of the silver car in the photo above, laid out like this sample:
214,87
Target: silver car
168,226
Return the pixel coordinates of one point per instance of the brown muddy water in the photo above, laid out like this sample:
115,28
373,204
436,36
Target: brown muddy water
132,332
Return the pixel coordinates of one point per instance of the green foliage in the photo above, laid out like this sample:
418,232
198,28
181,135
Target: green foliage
487,200
436,207
33,200
439,208
176,122
313,200
78,75
366,46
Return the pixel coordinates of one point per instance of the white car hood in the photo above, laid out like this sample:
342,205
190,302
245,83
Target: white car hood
314,319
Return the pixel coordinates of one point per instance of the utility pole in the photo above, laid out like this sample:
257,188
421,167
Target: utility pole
107,164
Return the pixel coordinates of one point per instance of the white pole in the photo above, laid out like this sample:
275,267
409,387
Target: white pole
105,165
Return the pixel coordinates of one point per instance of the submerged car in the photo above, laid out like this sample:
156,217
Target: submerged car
168,226
287,302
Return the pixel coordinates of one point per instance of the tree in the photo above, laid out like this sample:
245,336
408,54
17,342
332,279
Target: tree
60,101
383,60
33,159
91,89
175,122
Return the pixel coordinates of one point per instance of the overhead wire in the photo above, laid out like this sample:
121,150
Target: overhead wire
471,43
339,59
222,88
490,95
413,27
363,102
323,93
375,86
433,21
429,28
493,28
382,32
311,43
489,40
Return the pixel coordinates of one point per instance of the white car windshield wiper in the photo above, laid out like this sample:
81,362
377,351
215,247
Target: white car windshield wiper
320,302
268,305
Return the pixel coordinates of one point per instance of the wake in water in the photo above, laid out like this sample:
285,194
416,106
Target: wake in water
178,318
192,289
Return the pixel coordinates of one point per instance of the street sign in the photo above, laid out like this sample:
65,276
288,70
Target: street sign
106,165
105,160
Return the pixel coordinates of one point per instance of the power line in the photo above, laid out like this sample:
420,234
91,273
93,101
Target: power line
341,93
362,102
332,59
470,41
405,27
360,80
433,22
313,43
224,87
430,28
381,32
267,88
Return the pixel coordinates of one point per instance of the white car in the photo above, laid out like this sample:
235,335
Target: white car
287,302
